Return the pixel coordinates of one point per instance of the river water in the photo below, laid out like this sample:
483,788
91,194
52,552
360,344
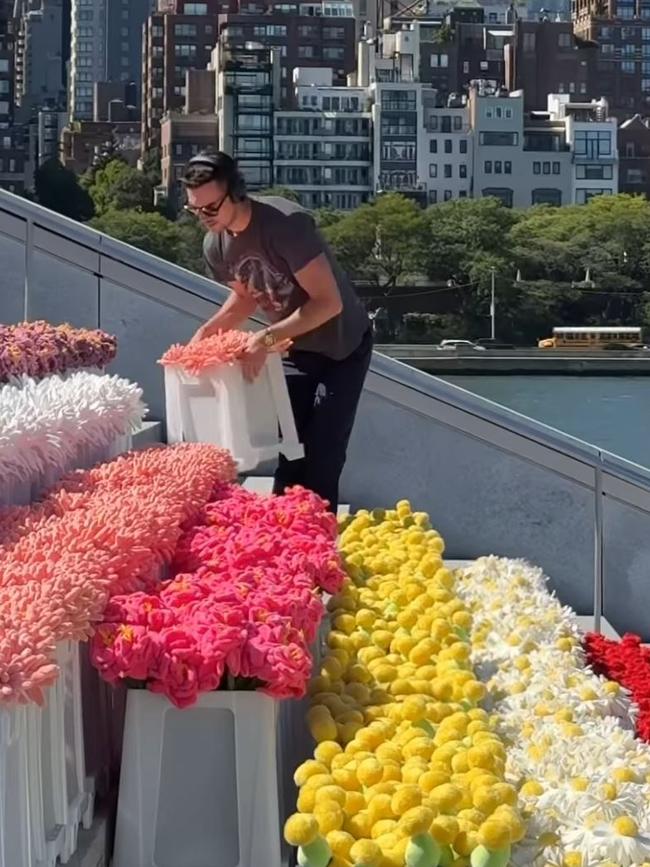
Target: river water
612,412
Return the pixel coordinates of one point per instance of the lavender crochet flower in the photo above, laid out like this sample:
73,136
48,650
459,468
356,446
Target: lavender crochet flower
38,349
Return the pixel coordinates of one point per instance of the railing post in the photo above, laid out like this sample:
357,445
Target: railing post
29,249
598,549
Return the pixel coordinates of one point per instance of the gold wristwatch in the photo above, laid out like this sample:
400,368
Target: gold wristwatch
269,339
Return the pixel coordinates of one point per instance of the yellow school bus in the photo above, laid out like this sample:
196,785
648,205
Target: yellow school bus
591,337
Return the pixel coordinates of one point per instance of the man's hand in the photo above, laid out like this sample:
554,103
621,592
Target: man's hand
253,360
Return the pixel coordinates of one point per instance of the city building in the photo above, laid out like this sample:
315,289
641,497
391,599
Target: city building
622,30
546,57
106,45
51,123
247,89
634,156
12,153
318,34
182,136
323,147
565,155
172,45
83,142
39,64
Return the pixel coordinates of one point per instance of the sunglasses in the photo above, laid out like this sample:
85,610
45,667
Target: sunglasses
211,210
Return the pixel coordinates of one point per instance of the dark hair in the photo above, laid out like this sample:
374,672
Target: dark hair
215,166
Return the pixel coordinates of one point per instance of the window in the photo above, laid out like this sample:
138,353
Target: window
502,193
499,139
440,61
458,123
398,100
498,111
433,170
583,195
185,29
630,149
628,33
433,146
564,40
547,197
628,49
447,195
334,33
433,197
627,66
4,86
605,32
462,171
537,168
593,144
529,42
307,31
182,49
508,113
331,52
306,51
195,9
398,151
606,48
594,173
635,176
556,168
465,67
487,167
498,167
645,84
583,87
645,33
507,167
462,194
445,123
463,146
546,168
448,146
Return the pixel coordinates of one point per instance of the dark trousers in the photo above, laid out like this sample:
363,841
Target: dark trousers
324,395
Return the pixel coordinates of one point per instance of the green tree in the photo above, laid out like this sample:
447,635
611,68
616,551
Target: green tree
117,186
283,192
190,244
382,243
151,167
58,188
147,231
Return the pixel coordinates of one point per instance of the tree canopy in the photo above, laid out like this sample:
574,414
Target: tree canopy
118,186
58,188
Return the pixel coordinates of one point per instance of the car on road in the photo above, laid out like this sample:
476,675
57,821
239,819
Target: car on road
460,344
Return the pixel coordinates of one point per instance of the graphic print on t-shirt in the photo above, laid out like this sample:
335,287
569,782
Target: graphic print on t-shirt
269,287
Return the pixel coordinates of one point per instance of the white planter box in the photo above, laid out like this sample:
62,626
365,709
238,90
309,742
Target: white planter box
254,421
199,787
15,837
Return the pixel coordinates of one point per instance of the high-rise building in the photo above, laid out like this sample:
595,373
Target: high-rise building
39,64
106,45
12,155
172,45
622,30
316,34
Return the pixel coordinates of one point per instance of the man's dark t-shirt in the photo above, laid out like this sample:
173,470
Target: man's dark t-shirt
280,240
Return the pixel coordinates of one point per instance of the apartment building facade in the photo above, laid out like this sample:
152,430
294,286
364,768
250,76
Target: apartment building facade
322,149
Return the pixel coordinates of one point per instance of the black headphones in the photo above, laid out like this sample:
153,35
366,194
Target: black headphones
224,168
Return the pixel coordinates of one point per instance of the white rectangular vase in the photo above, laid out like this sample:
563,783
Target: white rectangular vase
199,786
253,420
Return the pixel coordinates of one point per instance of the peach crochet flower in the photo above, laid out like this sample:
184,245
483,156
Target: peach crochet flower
105,531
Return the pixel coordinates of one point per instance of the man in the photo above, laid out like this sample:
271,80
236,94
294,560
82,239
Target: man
270,254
